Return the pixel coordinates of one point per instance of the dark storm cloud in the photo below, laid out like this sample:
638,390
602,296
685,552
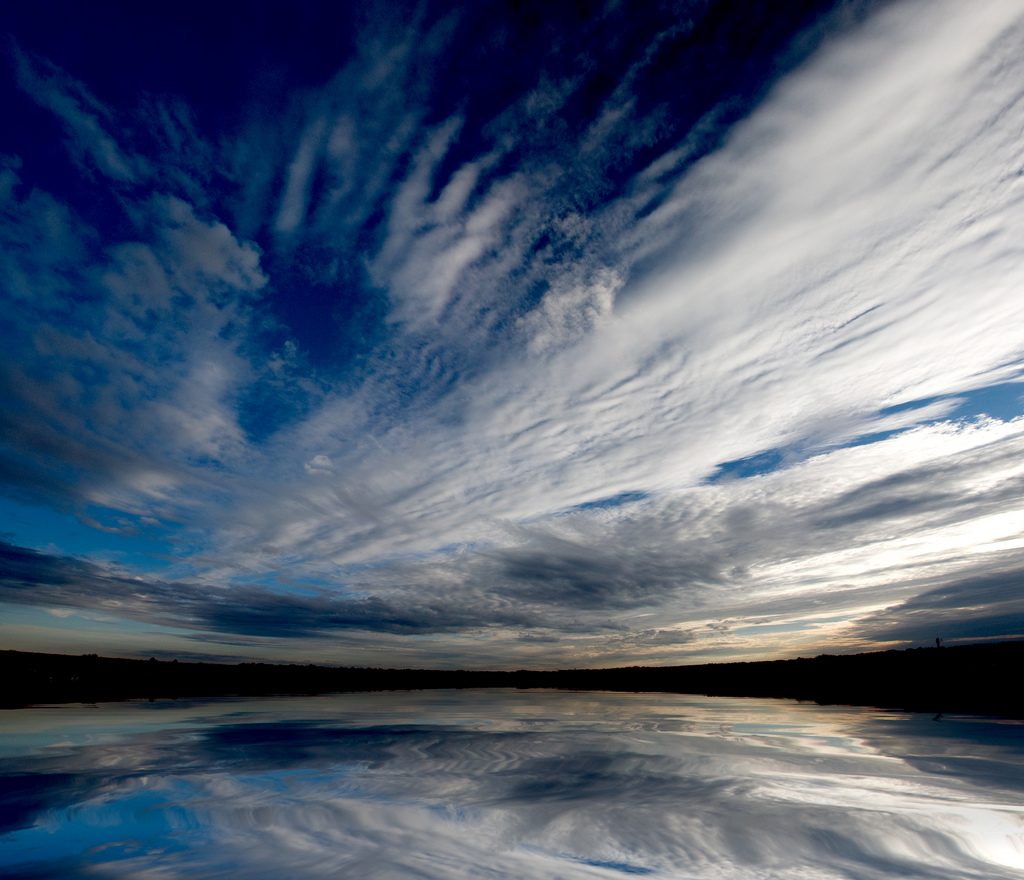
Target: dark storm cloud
979,606
29,577
923,491
587,576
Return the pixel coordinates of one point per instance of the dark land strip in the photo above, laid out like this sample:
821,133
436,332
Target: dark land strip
983,679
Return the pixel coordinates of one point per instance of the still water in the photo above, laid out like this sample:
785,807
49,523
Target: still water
507,784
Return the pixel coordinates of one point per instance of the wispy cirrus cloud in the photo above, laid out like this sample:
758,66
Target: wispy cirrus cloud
86,119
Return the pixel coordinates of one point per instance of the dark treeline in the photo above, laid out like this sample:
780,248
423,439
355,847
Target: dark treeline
979,679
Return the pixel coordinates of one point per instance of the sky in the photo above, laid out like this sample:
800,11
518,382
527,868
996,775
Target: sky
511,335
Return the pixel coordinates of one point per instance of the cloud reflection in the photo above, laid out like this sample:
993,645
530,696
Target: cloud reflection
498,784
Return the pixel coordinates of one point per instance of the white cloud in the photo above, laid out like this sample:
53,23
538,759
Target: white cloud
296,193
320,464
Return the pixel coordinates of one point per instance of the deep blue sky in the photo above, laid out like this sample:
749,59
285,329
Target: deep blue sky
510,334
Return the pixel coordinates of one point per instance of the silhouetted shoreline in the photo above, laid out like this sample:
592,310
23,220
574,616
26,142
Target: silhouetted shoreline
976,679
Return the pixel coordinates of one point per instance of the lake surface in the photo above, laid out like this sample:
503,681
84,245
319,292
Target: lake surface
507,784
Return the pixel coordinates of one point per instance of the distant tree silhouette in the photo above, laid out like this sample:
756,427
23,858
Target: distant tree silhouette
958,680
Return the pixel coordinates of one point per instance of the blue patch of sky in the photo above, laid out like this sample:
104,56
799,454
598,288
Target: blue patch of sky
48,530
621,867
1004,401
752,466
264,407
613,501
35,136
234,59
336,318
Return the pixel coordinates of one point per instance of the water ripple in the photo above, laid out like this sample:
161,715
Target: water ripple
499,784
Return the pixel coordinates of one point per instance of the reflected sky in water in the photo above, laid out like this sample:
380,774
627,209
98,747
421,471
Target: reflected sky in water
507,784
